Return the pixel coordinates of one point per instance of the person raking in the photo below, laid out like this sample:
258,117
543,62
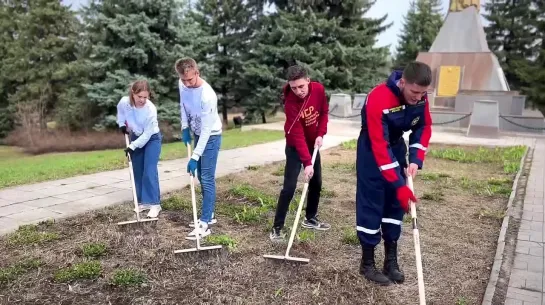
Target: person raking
199,114
306,110
392,108
137,117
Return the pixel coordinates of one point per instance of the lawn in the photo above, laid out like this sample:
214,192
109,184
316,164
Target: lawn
17,168
89,260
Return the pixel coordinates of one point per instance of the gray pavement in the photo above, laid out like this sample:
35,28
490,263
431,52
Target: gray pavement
527,280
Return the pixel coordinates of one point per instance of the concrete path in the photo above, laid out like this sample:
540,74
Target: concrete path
527,280
67,197
439,135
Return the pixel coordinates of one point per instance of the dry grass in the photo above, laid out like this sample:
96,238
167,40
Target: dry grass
92,261
59,140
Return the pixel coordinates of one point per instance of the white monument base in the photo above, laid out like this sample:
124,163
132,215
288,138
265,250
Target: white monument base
485,120
340,104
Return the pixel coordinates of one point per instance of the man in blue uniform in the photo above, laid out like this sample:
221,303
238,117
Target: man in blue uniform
382,198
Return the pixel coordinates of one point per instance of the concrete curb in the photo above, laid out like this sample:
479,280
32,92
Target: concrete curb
498,258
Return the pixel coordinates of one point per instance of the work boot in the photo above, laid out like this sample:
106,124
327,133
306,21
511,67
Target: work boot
368,268
391,268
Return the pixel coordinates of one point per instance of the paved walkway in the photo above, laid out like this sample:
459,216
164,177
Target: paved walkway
67,197
527,280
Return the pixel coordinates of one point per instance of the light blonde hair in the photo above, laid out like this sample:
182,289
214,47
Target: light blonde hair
137,87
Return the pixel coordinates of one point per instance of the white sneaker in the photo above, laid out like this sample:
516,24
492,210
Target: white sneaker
204,231
142,208
211,222
154,211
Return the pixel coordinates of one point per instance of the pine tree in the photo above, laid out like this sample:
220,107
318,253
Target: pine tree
511,35
333,41
420,27
227,25
532,75
41,40
138,40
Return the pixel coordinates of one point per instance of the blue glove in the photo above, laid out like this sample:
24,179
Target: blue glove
192,166
186,136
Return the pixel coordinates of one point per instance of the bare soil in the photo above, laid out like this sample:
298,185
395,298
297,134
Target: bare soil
459,222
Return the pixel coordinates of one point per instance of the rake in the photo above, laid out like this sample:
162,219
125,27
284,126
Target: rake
135,198
416,234
294,227
198,246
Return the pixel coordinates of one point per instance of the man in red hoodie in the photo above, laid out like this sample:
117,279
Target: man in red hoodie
306,109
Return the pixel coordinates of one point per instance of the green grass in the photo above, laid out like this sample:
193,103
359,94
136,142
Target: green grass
249,205
85,270
436,196
306,236
10,273
508,156
493,186
222,239
351,144
128,277
93,250
17,168
30,235
350,236
176,203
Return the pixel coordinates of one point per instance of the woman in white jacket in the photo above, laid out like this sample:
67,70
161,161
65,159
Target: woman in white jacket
137,117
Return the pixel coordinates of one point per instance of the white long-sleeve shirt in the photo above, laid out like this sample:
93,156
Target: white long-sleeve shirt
142,122
199,111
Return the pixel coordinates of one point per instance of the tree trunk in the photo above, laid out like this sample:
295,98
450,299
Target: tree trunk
223,75
263,117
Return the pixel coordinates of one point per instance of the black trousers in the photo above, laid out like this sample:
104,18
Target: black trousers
291,172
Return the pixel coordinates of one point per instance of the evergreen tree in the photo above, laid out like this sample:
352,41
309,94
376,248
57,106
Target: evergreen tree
532,75
227,25
39,44
336,46
511,35
133,40
420,27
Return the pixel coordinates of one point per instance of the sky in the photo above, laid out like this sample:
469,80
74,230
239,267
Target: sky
396,10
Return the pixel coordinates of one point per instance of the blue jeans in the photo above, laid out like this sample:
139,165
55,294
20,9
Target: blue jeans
146,173
206,173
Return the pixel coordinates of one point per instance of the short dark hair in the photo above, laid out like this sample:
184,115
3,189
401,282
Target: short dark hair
296,72
418,73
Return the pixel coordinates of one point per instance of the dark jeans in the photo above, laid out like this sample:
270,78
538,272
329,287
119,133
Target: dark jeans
291,172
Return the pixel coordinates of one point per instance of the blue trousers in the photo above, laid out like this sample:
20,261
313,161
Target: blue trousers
206,173
146,173
377,208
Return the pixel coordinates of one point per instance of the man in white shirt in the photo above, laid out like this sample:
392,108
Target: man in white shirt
199,114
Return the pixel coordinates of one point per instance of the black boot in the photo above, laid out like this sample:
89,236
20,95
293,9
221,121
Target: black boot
391,268
368,269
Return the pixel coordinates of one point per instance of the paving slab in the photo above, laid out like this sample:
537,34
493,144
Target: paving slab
527,278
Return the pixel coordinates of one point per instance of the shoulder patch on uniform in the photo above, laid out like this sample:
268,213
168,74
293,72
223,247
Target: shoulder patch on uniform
396,109
415,121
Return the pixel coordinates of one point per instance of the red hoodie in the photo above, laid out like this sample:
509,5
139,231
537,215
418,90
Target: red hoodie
303,126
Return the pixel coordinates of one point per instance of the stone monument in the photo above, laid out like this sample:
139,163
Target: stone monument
465,70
